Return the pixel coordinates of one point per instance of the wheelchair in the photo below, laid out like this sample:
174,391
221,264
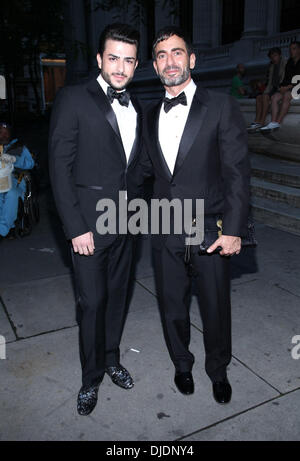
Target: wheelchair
28,210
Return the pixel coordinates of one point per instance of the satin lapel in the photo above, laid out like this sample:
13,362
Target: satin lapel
193,125
138,131
104,105
153,117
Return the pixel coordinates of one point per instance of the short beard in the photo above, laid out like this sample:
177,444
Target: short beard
107,78
169,82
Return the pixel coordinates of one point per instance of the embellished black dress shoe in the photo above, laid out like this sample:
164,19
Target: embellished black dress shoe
120,376
222,391
87,399
184,383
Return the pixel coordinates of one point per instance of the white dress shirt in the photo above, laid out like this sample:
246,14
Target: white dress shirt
126,117
171,126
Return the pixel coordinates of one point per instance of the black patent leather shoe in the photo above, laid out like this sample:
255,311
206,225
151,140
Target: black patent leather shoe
184,383
222,391
120,376
87,399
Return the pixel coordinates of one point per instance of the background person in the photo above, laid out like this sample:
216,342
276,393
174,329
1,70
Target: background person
16,153
284,95
276,72
238,88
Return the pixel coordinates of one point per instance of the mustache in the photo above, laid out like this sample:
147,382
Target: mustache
118,74
171,68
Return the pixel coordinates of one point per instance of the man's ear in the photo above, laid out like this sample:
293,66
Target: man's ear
192,61
155,66
99,60
136,64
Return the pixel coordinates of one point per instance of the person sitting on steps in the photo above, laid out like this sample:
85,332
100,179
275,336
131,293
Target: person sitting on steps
276,73
284,96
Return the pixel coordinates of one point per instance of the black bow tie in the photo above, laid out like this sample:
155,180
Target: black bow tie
169,103
123,96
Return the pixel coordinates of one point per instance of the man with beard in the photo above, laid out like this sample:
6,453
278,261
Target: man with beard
94,146
196,148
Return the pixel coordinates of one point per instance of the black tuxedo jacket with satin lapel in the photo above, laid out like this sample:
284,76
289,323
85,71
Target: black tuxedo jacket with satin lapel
87,160
212,161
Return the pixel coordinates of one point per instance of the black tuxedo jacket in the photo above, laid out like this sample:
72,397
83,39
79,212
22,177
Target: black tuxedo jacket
212,161
87,161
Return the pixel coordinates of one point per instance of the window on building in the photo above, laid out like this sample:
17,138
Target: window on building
232,20
290,14
186,17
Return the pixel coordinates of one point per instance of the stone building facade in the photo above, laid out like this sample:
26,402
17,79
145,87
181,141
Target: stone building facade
224,33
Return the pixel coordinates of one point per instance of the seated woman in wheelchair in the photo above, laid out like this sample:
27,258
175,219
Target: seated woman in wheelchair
17,154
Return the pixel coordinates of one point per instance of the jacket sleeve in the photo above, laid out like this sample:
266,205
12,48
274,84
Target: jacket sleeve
62,154
147,170
143,173
25,161
233,146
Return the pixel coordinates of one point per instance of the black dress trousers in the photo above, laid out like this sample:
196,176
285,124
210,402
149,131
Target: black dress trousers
174,295
102,283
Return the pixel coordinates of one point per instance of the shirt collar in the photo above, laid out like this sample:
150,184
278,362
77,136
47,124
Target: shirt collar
189,91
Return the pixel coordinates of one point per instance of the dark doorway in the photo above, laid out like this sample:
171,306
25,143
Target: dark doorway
186,17
232,20
290,15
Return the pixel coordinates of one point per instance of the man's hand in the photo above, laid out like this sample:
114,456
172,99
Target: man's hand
230,245
84,244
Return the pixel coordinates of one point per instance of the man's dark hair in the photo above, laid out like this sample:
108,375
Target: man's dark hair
274,50
168,32
295,42
121,33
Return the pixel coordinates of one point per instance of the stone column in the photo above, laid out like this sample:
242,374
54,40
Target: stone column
216,23
255,25
75,40
202,23
274,10
142,26
93,22
96,21
163,17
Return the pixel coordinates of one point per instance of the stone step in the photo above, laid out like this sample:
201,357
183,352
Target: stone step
276,192
275,170
276,215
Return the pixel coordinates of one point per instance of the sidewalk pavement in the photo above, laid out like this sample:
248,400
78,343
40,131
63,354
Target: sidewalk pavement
40,376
